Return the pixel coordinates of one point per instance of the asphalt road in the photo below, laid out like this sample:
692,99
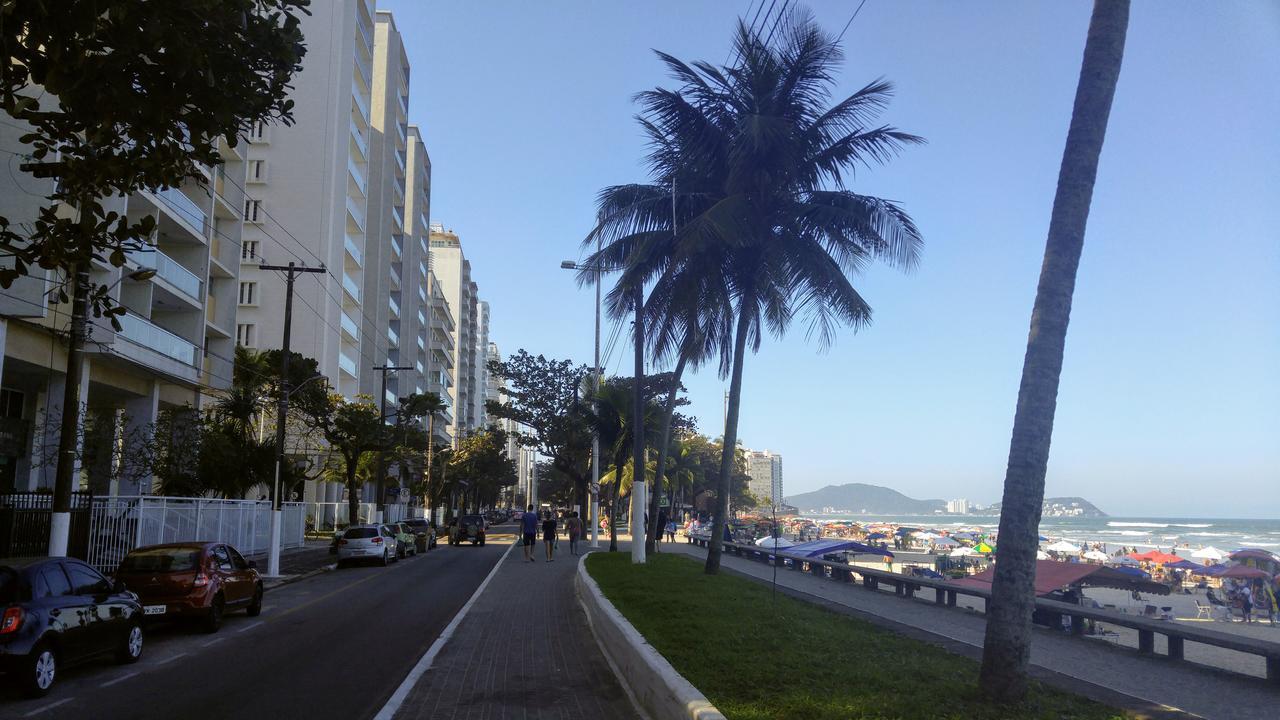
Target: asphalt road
333,646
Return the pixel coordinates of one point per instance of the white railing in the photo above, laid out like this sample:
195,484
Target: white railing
328,516
119,524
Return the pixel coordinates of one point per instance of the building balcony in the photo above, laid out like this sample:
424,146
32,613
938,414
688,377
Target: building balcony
394,274
346,364
362,104
403,101
149,345
397,215
359,140
397,245
349,327
399,156
394,306
351,287
393,337
185,210
353,250
354,171
355,211
181,280
364,70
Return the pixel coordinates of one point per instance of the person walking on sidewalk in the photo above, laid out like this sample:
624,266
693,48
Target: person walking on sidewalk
549,534
573,524
529,528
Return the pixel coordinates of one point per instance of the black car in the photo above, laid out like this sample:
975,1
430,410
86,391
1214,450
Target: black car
468,527
423,529
58,612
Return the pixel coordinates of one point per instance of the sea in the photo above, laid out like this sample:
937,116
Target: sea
1142,533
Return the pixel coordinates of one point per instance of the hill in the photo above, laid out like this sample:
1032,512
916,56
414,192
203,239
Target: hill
1065,507
863,498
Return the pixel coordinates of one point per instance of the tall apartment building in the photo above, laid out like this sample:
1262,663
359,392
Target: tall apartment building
307,201
765,469
481,367
453,270
175,340
440,375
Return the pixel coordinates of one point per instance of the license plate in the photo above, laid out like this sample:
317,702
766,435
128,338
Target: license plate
154,609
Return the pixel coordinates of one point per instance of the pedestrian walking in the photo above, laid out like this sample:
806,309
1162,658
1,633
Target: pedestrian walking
549,534
671,531
662,524
529,528
573,524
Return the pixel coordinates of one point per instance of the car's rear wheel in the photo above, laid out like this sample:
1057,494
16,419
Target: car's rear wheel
384,558
255,605
40,671
213,620
482,541
130,650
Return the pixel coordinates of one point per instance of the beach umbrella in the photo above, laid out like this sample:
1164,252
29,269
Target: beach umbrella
776,544
1042,555
1185,565
1062,546
1244,572
1097,555
1123,560
1209,553
1210,570
903,531
962,552
983,548
877,536
1134,572
1252,554
945,542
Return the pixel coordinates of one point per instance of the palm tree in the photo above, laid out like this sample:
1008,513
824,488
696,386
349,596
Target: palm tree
768,229
1007,647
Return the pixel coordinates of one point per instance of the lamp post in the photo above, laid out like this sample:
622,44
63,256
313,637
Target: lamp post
595,436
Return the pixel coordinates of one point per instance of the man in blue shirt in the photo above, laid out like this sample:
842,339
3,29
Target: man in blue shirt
529,527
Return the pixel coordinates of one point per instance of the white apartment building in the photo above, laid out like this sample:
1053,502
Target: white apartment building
959,506
765,469
479,416
307,202
176,337
440,339
453,271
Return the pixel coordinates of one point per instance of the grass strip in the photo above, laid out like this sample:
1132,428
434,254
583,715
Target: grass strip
757,656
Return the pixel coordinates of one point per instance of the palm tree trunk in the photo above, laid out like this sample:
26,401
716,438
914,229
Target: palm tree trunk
1007,647
655,532
730,446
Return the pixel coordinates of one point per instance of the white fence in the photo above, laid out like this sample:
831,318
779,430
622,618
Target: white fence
323,517
119,524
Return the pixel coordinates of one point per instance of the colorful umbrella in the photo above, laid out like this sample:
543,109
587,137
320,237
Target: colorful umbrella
983,548
1244,572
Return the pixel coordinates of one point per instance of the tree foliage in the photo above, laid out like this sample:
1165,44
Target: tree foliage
124,95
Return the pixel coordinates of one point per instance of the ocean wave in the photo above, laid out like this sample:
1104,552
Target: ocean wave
1130,533
1212,534
1137,524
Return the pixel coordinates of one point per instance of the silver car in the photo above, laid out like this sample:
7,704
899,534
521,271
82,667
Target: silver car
367,542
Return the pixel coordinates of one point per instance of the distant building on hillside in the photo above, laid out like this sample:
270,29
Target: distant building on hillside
959,507
765,469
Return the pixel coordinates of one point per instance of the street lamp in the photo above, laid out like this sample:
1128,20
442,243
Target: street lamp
595,436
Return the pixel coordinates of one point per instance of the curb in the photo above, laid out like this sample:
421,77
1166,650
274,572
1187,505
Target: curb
290,579
654,686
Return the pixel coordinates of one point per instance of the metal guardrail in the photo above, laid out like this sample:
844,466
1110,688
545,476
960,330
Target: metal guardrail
945,593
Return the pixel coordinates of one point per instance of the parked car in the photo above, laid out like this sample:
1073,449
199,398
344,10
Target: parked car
406,544
192,581
468,527
367,542
58,612
423,530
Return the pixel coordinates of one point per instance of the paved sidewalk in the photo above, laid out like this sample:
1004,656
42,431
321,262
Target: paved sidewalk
1200,690
523,651
312,557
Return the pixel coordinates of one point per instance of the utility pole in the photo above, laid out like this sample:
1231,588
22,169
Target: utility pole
291,272
638,487
382,454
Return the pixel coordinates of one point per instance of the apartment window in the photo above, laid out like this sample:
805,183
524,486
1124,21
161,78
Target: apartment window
253,210
258,132
246,333
257,171
248,293
249,250
11,402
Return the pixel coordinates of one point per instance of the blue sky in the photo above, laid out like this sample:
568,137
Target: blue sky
1170,400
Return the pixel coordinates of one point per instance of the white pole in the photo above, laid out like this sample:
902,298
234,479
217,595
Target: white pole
273,550
595,440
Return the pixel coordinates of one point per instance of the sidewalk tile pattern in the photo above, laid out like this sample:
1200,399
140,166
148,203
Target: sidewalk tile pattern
523,652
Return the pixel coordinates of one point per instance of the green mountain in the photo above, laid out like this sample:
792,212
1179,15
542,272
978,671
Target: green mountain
863,498
1064,507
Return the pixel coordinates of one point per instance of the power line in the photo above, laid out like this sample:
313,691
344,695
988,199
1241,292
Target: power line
777,21
846,25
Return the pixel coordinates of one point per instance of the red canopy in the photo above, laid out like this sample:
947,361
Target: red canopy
1155,556
1052,575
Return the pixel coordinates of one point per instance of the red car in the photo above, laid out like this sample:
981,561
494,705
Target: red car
195,580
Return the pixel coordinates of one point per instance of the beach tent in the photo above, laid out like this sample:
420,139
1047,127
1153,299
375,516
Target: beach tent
1209,553
1244,572
962,552
818,548
903,531
1211,570
1123,560
1062,546
1156,556
1185,565
1052,575
877,536
945,542
1096,555
1136,572
776,544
